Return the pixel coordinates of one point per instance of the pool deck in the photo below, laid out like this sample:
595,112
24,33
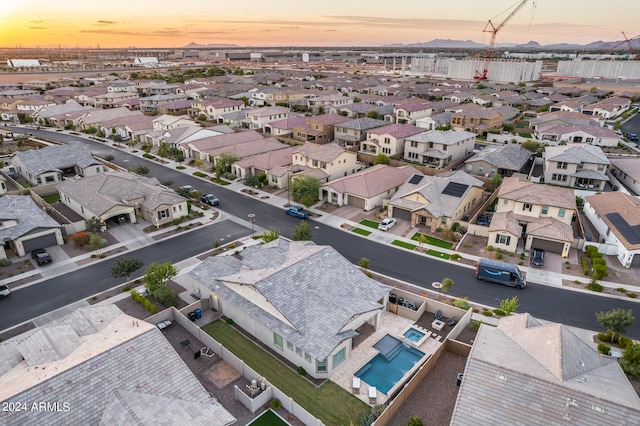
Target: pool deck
391,324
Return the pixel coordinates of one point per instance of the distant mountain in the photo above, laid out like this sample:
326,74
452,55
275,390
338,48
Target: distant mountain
448,44
193,45
601,46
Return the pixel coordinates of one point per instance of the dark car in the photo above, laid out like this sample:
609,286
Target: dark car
296,211
483,219
537,257
41,256
210,199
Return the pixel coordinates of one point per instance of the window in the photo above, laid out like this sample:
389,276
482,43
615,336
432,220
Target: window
561,165
98,169
277,340
480,169
315,163
289,345
414,144
307,357
163,213
469,168
50,178
505,202
561,212
600,167
323,165
526,206
443,220
387,140
298,351
545,209
321,366
338,357
559,178
503,239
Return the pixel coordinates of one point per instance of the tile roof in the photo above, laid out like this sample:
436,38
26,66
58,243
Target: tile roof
509,157
362,124
444,137
543,195
55,157
308,292
372,181
629,166
29,216
102,192
550,372
397,131
627,206
118,370
219,141
268,160
326,152
575,154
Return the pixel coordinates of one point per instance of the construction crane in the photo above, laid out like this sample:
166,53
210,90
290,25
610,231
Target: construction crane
626,40
490,28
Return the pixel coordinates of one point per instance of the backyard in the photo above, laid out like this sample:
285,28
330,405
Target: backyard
328,402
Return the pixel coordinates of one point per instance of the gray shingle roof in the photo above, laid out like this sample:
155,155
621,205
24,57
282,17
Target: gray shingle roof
314,289
576,153
532,373
27,214
509,157
55,157
448,137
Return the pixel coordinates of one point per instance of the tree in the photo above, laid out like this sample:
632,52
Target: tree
224,162
630,361
180,156
508,306
163,150
305,189
374,114
94,224
447,284
302,232
496,180
124,267
270,235
414,421
96,242
142,170
616,321
381,159
155,280
422,239
364,263
531,145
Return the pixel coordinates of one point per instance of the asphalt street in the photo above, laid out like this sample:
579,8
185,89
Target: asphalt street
545,302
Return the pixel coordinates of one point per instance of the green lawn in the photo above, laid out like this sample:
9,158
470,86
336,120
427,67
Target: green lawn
25,184
403,244
268,418
438,254
525,135
52,198
329,402
362,232
433,241
369,223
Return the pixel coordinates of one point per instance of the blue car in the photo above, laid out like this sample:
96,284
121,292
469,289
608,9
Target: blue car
297,211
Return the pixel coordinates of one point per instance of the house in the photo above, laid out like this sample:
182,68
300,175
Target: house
543,214
261,116
608,108
112,99
350,133
3,185
262,163
478,120
284,127
410,111
319,128
333,160
439,148
552,373
627,171
198,148
176,136
244,149
576,166
114,194
592,135
166,122
55,162
151,103
504,160
436,201
303,301
368,188
616,217
25,226
388,140
92,119
100,366
213,108
435,121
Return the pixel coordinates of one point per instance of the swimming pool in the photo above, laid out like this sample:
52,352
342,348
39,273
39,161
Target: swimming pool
394,360
413,335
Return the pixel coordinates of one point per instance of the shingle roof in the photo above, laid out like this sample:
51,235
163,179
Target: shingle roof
528,372
444,137
508,157
311,291
55,157
27,214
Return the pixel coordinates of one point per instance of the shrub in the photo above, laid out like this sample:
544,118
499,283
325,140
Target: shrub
623,342
487,313
414,421
598,261
489,248
302,371
595,287
275,403
632,295
126,288
200,174
499,312
498,256
80,239
230,321
585,266
603,348
522,256
146,303
621,289
149,156
600,270
455,256
475,325
5,262
604,337
229,175
462,304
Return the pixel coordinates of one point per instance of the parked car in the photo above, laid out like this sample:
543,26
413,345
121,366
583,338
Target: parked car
297,211
4,291
633,137
387,224
41,256
210,199
189,190
537,257
483,220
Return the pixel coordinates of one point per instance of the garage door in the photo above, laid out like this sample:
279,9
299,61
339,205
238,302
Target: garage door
401,214
546,245
355,201
39,242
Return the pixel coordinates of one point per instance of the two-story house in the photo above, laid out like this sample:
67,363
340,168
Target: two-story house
319,128
388,140
260,116
576,166
331,158
592,135
438,148
213,108
350,133
410,111
540,214
478,120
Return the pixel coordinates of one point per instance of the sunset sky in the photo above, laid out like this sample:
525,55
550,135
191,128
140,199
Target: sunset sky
165,23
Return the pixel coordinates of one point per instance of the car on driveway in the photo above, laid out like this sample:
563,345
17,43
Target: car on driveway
387,224
483,220
210,199
41,256
297,211
4,291
537,257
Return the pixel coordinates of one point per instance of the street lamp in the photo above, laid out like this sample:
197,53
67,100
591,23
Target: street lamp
438,285
252,220
288,187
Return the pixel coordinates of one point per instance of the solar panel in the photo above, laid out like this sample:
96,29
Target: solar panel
455,189
416,179
630,233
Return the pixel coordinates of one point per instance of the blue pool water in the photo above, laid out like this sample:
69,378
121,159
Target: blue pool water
392,362
413,335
